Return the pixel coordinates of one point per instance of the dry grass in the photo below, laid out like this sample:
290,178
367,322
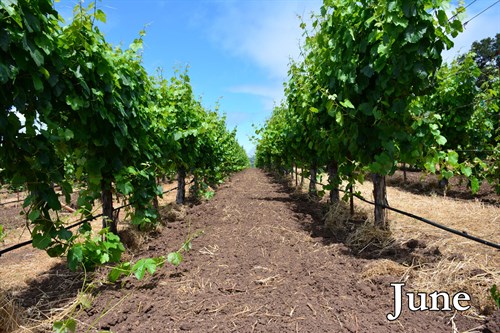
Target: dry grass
459,264
11,314
338,218
386,267
370,238
464,265
357,231
19,268
132,238
460,276
172,212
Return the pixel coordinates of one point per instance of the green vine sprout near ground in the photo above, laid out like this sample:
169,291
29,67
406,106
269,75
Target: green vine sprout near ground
66,323
150,265
495,294
2,234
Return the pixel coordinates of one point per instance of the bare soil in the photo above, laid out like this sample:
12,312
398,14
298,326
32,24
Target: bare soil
265,263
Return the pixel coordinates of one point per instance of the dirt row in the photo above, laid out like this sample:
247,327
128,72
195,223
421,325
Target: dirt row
263,264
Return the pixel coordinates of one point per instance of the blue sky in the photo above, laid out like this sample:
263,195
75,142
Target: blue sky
237,50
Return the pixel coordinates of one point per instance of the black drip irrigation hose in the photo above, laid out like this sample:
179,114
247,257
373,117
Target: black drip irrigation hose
422,219
21,200
28,242
91,218
11,202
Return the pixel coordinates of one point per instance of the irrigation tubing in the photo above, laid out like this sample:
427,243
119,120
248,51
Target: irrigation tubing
28,242
91,218
11,202
21,200
422,219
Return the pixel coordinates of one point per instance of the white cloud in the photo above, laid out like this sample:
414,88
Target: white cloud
266,33
258,90
268,95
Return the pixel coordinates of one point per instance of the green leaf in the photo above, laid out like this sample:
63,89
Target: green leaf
118,271
76,102
68,134
187,246
125,188
339,118
442,17
142,265
37,83
382,49
495,295
33,215
100,16
75,257
65,326
177,136
104,258
441,140
430,166
175,258
64,234
347,104
453,159
474,185
466,171
41,241
37,57
52,200
56,251
44,72
446,174
4,73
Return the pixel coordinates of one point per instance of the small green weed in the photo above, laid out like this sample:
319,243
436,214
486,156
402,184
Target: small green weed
495,294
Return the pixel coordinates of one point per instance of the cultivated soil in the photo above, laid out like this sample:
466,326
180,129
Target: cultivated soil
264,263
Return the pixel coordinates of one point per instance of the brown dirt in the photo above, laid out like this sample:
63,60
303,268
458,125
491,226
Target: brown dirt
263,264
420,183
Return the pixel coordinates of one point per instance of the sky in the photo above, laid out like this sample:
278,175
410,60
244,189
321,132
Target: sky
237,50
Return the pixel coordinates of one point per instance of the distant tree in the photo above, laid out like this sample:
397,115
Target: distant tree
487,57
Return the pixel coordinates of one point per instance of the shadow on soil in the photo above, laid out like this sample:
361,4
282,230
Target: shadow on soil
304,205
50,290
458,188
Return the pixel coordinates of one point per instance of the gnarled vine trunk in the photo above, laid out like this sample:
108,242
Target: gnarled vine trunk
107,206
312,183
196,186
296,176
380,196
181,186
333,181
